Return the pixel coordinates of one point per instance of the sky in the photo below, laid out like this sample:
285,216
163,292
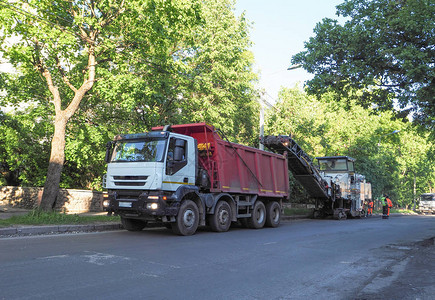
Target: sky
279,30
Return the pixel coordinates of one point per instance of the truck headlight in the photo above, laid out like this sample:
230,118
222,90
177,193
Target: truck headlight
152,206
106,203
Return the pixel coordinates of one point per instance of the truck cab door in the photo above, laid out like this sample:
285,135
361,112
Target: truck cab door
178,169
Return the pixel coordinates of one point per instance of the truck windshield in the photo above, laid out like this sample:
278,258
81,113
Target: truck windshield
428,197
333,165
149,150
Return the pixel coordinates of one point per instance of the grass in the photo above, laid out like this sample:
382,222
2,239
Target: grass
297,211
38,217
402,211
397,211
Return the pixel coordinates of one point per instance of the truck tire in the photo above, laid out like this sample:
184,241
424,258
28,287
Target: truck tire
258,217
273,214
133,224
220,221
317,214
187,220
342,215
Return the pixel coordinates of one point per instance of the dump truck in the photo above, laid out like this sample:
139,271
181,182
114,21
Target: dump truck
338,190
190,175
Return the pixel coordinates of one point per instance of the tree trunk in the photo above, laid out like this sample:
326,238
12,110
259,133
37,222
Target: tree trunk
57,156
57,159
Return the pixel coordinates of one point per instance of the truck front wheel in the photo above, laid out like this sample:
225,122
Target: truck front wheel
220,221
258,217
273,214
187,220
133,224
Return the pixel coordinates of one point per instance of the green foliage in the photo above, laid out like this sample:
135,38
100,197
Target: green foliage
390,161
384,49
157,62
198,71
24,147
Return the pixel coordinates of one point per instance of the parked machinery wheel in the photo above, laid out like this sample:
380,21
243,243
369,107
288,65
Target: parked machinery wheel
258,217
342,215
273,214
220,221
133,224
187,220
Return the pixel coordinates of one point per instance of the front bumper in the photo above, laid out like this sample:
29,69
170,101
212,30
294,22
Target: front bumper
145,205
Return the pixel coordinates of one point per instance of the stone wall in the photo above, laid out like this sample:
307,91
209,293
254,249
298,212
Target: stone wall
68,200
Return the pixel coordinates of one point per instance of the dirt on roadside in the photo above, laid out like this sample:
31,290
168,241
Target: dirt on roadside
411,276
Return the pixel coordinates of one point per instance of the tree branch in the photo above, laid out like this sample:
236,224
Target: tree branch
64,77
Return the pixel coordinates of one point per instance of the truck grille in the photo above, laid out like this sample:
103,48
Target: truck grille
129,183
130,180
130,177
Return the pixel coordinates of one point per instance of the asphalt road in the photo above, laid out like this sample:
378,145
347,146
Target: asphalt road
303,259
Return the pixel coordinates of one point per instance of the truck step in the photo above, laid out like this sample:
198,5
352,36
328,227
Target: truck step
243,215
244,203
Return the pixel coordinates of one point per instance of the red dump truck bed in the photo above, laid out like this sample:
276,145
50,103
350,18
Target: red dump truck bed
235,168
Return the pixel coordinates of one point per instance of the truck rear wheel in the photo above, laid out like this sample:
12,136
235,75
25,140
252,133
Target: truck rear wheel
220,221
273,214
187,219
133,224
258,217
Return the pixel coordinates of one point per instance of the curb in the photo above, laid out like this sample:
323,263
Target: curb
52,229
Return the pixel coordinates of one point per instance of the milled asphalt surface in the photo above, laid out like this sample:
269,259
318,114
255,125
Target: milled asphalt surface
22,230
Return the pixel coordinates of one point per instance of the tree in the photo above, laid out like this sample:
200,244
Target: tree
64,42
155,62
327,127
198,74
61,41
384,49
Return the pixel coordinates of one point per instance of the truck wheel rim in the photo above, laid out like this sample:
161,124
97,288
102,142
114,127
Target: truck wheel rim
275,215
223,217
260,215
188,218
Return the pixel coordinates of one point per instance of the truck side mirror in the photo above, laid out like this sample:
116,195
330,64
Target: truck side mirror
109,149
179,150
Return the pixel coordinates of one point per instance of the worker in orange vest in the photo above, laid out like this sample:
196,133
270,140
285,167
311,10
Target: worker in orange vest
370,208
386,205
390,205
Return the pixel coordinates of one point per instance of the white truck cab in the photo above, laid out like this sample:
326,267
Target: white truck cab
151,161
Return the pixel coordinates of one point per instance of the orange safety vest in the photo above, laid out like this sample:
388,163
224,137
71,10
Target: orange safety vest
389,203
371,204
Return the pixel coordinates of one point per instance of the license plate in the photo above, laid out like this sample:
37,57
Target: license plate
124,204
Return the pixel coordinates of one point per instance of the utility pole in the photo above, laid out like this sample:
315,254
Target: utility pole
415,191
263,103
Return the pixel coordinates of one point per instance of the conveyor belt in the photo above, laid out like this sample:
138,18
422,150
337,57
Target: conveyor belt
299,164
